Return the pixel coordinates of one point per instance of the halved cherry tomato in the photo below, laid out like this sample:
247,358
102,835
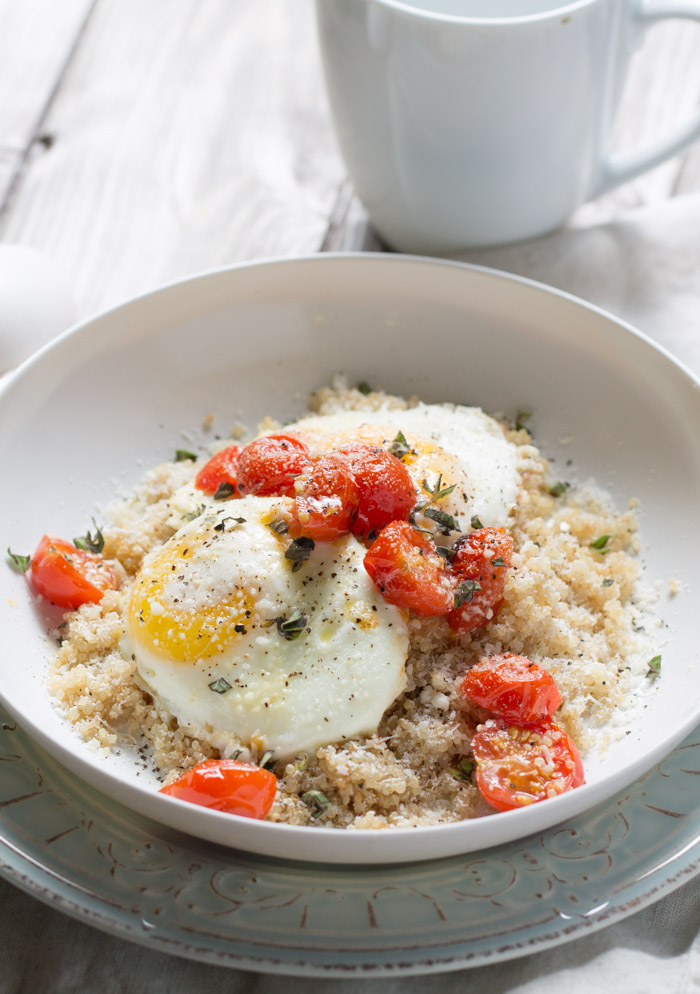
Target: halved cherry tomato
69,577
221,468
268,465
519,766
481,559
513,687
326,501
226,785
386,489
408,571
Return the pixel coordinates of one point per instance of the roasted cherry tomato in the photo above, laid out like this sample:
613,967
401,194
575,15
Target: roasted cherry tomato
408,571
326,500
513,687
268,465
69,577
386,488
221,468
480,563
226,785
518,766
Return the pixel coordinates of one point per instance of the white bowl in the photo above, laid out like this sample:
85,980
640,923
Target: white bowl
85,417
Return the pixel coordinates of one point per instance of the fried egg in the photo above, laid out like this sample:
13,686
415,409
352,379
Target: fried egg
450,446
242,648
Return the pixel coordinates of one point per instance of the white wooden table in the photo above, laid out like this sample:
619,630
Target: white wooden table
144,140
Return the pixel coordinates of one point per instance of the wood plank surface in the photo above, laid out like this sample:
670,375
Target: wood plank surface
188,134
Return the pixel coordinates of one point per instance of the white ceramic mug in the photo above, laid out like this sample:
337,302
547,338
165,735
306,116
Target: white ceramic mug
468,123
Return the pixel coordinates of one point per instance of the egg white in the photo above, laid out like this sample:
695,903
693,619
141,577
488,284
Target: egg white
210,605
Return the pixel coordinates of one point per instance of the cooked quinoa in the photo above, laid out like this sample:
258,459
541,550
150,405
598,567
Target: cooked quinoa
576,610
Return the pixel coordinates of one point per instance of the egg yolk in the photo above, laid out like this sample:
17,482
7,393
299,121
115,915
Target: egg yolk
175,614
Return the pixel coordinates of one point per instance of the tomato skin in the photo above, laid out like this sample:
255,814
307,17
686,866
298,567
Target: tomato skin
386,489
221,468
69,577
513,687
473,560
409,572
226,785
506,771
268,465
327,498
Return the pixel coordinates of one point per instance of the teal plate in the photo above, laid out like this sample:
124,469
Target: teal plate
99,862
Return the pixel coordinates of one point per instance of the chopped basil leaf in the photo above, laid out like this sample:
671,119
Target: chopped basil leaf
221,526
279,525
292,627
182,455
607,582
445,552
18,562
520,419
400,447
438,492
559,488
654,665
476,521
90,543
191,515
420,506
220,686
224,491
445,521
364,387
463,770
465,592
599,543
299,551
498,561
317,801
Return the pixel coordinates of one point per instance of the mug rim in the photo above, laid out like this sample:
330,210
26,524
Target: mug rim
408,8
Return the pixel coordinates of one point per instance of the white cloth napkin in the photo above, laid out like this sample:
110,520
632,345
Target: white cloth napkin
645,268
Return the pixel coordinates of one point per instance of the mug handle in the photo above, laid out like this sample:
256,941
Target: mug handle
620,169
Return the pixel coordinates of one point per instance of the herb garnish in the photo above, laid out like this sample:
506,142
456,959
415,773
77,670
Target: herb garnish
520,419
446,552
182,455
465,592
221,526
279,525
559,488
224,491
220,686
318,801
476,521
400,447
607,582
90,543
191,515
267,762
463,770
444,520
599,544
438,492
498,561
18,562
299,551
654,667
292,627
364,387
